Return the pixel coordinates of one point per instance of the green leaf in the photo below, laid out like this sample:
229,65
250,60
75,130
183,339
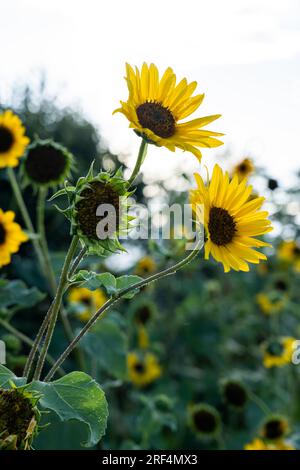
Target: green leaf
108,345
93,281
7,376
17,295
126,281
76,396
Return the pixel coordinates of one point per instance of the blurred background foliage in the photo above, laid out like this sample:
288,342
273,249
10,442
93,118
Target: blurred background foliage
200,327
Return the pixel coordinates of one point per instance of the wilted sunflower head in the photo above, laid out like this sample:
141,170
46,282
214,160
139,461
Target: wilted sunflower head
19,419
278,352
231,221
205,420
46,163
156,105
11,237
98,211
234,393
13,141
244,169
275,427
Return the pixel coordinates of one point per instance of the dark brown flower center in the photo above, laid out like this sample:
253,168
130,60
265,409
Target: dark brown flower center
204,421
275,348
281,285
6,139
139,367
2,234
45,163
221,226
272,184
274,429
235,394
143,314
157,118
95,195
243,168
296,251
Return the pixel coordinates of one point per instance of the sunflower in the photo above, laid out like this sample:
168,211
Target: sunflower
46,163
278,353
13,142
86,301
11,237
156,105
259,444
234,393
205,421
271,302
289,252
145,265
143,370
98,211
275,428
230,220
244,169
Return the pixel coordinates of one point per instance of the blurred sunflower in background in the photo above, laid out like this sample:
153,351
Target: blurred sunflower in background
278,353
11,237
86,302
205,420
244,169
230,220
143,369
271,302
13,141
289,252
275,428
145,265
259,444
156,105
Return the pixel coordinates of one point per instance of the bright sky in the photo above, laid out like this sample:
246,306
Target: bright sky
244,55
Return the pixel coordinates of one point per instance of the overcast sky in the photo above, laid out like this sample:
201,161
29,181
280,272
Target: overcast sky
244,55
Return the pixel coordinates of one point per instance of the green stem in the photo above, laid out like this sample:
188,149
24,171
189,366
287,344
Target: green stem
115,299
56,306
141,157
26,217
40,212
260,403
26,340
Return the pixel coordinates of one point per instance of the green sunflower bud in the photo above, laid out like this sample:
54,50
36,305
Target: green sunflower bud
98,211
46,164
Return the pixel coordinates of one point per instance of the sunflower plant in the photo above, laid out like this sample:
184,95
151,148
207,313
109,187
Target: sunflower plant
157,108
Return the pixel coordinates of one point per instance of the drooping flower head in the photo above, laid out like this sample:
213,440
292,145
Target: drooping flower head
13,141
46,163
231,221
11,237
98,211
156,105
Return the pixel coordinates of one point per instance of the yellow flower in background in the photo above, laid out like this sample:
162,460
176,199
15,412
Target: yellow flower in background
145,265
143,370
231,221
271,303
11,237
86,301
244,169
143,337
278,353
259,444
13,142
156,105
289,251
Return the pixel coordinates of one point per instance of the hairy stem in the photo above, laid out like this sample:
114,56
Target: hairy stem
56,307
167,272
141,157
